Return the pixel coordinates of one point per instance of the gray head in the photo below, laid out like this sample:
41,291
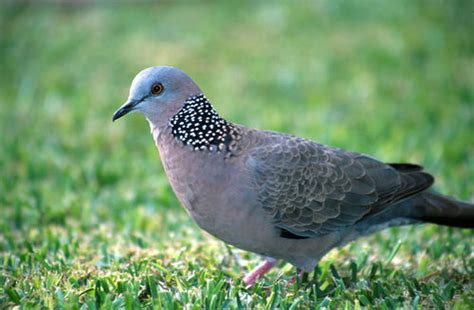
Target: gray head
158,93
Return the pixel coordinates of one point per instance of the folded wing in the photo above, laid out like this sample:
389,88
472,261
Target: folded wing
311,189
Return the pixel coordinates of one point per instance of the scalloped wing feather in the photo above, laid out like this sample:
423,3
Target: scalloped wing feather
311,189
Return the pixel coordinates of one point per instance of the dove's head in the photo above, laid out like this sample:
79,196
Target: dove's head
158,93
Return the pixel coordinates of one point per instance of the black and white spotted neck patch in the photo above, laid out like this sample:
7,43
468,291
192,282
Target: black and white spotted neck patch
198,124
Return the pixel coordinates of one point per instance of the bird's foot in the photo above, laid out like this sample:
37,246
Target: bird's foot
299,276
259,271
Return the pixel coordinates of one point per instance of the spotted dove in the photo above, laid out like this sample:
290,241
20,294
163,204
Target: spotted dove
275,194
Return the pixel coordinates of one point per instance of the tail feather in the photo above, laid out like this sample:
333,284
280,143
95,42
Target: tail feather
438,209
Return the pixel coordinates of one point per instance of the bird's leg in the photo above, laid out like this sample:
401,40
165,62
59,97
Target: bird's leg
300,274
260,270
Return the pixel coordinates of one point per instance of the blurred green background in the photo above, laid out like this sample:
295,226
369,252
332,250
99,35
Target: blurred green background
87,215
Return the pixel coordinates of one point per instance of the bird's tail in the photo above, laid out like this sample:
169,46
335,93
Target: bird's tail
435,208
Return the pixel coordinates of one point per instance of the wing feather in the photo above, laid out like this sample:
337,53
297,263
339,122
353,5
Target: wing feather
311,189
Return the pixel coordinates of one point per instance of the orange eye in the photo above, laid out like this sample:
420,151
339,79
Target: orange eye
157,88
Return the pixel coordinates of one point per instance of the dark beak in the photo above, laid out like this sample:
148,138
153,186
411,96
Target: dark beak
125,108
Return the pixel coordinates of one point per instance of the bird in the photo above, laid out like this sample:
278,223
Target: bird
275,194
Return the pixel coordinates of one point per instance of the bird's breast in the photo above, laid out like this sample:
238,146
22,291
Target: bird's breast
217,192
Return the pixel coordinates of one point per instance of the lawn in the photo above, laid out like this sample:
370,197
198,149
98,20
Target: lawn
88,219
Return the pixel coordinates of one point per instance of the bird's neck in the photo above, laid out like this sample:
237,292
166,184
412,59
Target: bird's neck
197,124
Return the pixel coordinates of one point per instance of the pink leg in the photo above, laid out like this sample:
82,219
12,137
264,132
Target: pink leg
259,271
300,274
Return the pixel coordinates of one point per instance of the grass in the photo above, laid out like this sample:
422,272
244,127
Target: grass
87,216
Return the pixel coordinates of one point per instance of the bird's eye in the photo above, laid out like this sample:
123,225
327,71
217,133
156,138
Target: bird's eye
157,88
